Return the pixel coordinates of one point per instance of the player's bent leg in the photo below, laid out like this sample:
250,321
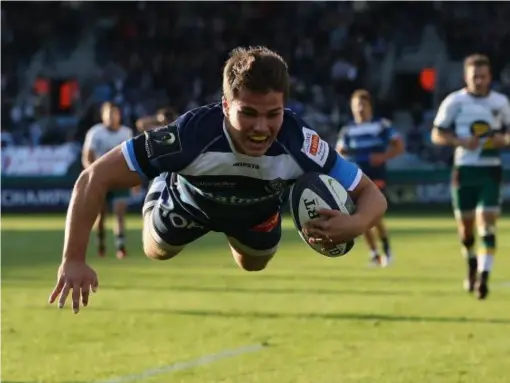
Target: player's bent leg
120,205
167,227
382,232
486,219
250,259
153,245
253,249
370,240
101,233
464,201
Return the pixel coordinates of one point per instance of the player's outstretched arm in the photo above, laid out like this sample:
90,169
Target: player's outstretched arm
336,227
108,172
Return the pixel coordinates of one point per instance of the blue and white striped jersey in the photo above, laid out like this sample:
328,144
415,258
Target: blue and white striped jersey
363,139
216,183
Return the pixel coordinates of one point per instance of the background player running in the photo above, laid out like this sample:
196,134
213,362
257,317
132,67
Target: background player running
473,120
223,167
370,143
100,139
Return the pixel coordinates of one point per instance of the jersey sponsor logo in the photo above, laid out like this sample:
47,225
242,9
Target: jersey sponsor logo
314,144
247,165
480,129
163,141
234,200
314,147
268,225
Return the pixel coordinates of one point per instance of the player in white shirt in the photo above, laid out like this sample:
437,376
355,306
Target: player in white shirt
100,139
474,120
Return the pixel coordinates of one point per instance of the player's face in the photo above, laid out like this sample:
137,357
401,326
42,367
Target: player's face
255,120
478,79
111,117
361,109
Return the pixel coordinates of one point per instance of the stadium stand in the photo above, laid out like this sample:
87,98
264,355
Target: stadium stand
145,56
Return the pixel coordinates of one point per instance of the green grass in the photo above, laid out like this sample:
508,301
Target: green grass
324,320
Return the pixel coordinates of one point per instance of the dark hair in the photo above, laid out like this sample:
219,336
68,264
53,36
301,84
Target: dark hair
108,104
257,69
477,60
167,113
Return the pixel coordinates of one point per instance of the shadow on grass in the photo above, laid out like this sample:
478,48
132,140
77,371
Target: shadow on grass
36,247
325,316
257,290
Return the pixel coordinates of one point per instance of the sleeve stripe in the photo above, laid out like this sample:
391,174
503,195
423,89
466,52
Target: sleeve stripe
356,181
129,155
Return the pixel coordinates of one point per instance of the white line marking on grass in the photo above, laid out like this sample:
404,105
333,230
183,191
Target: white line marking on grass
206,359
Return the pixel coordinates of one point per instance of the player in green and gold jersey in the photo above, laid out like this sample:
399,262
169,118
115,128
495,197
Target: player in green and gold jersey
475,120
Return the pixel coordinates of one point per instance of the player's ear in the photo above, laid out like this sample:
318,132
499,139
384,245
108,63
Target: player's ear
224,105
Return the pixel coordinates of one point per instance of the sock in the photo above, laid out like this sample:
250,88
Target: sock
486,253
374,253
120,241
468,251
100,238
485,262
386,245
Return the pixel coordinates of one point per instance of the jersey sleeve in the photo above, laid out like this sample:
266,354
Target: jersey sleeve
388,131
505,116
342,141
90,142
313,154
445,116
166,149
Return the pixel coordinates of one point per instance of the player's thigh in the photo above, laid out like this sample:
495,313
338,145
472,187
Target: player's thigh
254,248
491,195
465,200
167,228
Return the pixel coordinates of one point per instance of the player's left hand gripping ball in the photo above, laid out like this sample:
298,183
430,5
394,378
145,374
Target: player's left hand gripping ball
321,209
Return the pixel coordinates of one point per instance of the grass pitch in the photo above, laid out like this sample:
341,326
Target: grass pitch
323,320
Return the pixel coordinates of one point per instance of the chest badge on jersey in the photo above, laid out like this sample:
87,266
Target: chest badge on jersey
163,141
480,129
275,186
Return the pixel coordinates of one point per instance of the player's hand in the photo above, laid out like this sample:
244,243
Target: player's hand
78,277
470,143
377,159
332,228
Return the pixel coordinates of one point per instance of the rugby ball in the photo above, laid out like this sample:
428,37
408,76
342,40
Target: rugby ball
313,192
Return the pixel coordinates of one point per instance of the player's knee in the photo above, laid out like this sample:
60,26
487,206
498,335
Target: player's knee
468,241
120,207
250,259
487,234
154,252
466,228
252,263
153,247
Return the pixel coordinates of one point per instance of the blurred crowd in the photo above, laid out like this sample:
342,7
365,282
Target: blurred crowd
170,54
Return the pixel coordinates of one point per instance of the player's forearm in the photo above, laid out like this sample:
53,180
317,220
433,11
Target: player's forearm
440,137
500,140
395,149
86,202
87,159
370,205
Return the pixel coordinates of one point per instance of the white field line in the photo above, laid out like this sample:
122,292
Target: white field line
203,360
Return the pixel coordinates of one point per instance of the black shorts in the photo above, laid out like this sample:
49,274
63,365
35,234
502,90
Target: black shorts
176,226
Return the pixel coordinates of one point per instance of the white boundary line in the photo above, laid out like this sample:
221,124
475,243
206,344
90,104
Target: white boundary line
203,360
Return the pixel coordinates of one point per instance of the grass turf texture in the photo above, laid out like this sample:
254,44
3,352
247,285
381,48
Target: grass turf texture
324,320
